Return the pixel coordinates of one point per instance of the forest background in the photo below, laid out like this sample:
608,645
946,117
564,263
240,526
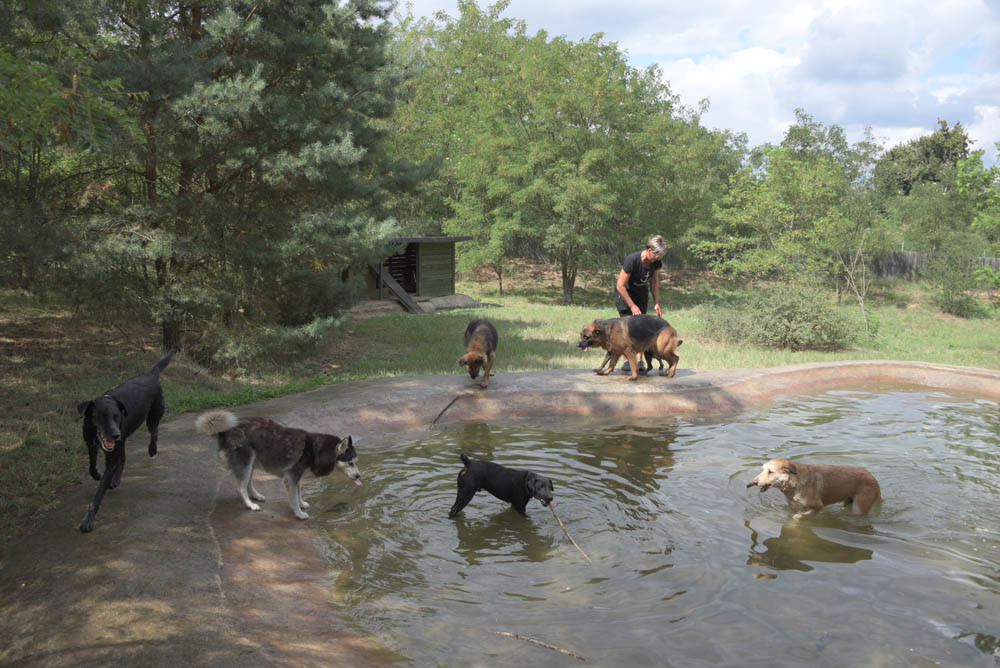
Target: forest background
216,167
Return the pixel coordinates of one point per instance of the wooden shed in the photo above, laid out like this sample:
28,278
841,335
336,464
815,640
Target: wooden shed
425,268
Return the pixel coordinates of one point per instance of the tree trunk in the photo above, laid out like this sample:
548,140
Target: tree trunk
568,281
171,335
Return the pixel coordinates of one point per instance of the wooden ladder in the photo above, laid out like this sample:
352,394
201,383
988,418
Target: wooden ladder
401,294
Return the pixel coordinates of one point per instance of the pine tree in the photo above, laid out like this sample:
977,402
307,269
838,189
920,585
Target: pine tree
257,168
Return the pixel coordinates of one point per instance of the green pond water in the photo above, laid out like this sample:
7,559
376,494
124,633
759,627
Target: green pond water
689,567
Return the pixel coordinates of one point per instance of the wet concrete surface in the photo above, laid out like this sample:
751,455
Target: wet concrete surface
178,573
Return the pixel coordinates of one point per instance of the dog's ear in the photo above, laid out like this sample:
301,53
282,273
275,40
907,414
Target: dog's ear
342,447
121,407
789,468
84,407
462,361
531,482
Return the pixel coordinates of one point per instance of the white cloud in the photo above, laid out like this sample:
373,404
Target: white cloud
985,131
743,90
897,67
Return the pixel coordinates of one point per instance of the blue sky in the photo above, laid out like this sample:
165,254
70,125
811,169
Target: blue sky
896,66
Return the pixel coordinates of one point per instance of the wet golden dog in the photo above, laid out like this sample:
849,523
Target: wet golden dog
481,344
809,487
632,336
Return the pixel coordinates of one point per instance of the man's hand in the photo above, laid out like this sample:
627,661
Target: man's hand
635,310
659,313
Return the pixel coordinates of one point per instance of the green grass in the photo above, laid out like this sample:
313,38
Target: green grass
51,359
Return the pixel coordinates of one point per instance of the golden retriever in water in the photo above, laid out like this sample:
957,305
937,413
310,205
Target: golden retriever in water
809,487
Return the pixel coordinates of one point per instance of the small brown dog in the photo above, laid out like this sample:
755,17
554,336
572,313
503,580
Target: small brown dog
481,344
632,336
812,486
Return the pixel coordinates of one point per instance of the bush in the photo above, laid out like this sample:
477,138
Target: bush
243,346
783,317
955,282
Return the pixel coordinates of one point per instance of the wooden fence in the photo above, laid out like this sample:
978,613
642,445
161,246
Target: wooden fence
909,264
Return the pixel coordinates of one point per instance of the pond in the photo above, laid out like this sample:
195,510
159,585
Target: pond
689,567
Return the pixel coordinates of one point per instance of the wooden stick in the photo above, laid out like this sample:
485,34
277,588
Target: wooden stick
444,409
567,534
540,644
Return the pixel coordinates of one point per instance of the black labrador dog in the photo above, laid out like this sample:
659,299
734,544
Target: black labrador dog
514,486
111,418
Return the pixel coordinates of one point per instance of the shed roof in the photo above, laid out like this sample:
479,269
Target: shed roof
431,240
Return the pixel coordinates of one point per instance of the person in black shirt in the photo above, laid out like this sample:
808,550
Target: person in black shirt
640,274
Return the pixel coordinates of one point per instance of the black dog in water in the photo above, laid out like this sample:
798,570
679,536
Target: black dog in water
514,486
111,418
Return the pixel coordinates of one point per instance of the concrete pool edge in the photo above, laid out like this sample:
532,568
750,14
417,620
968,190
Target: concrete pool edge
365,408
177,572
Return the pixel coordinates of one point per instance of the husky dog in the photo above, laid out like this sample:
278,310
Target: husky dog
280,450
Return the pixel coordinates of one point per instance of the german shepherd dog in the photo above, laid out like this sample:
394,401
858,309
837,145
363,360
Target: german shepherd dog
280,450
114,416
481,344
514,486
632,336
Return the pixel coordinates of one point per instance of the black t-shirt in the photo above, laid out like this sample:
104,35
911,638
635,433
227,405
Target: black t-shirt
638,276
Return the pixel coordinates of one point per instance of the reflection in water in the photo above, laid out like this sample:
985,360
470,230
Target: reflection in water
984,642
507,535
798,544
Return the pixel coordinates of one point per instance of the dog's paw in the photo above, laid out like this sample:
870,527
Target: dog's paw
303,504
95,475
302,516
152,450
87,525
254,506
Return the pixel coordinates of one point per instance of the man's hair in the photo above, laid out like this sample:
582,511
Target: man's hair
657,245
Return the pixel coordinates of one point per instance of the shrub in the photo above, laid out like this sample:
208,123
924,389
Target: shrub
955,284
789,317
243,346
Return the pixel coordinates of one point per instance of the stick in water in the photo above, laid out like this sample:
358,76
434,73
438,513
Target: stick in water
444,409
567,534
540,643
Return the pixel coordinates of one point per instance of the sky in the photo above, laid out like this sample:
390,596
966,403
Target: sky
894,66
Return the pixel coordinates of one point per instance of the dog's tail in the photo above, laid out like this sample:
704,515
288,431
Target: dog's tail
465,460
162,364
215,422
